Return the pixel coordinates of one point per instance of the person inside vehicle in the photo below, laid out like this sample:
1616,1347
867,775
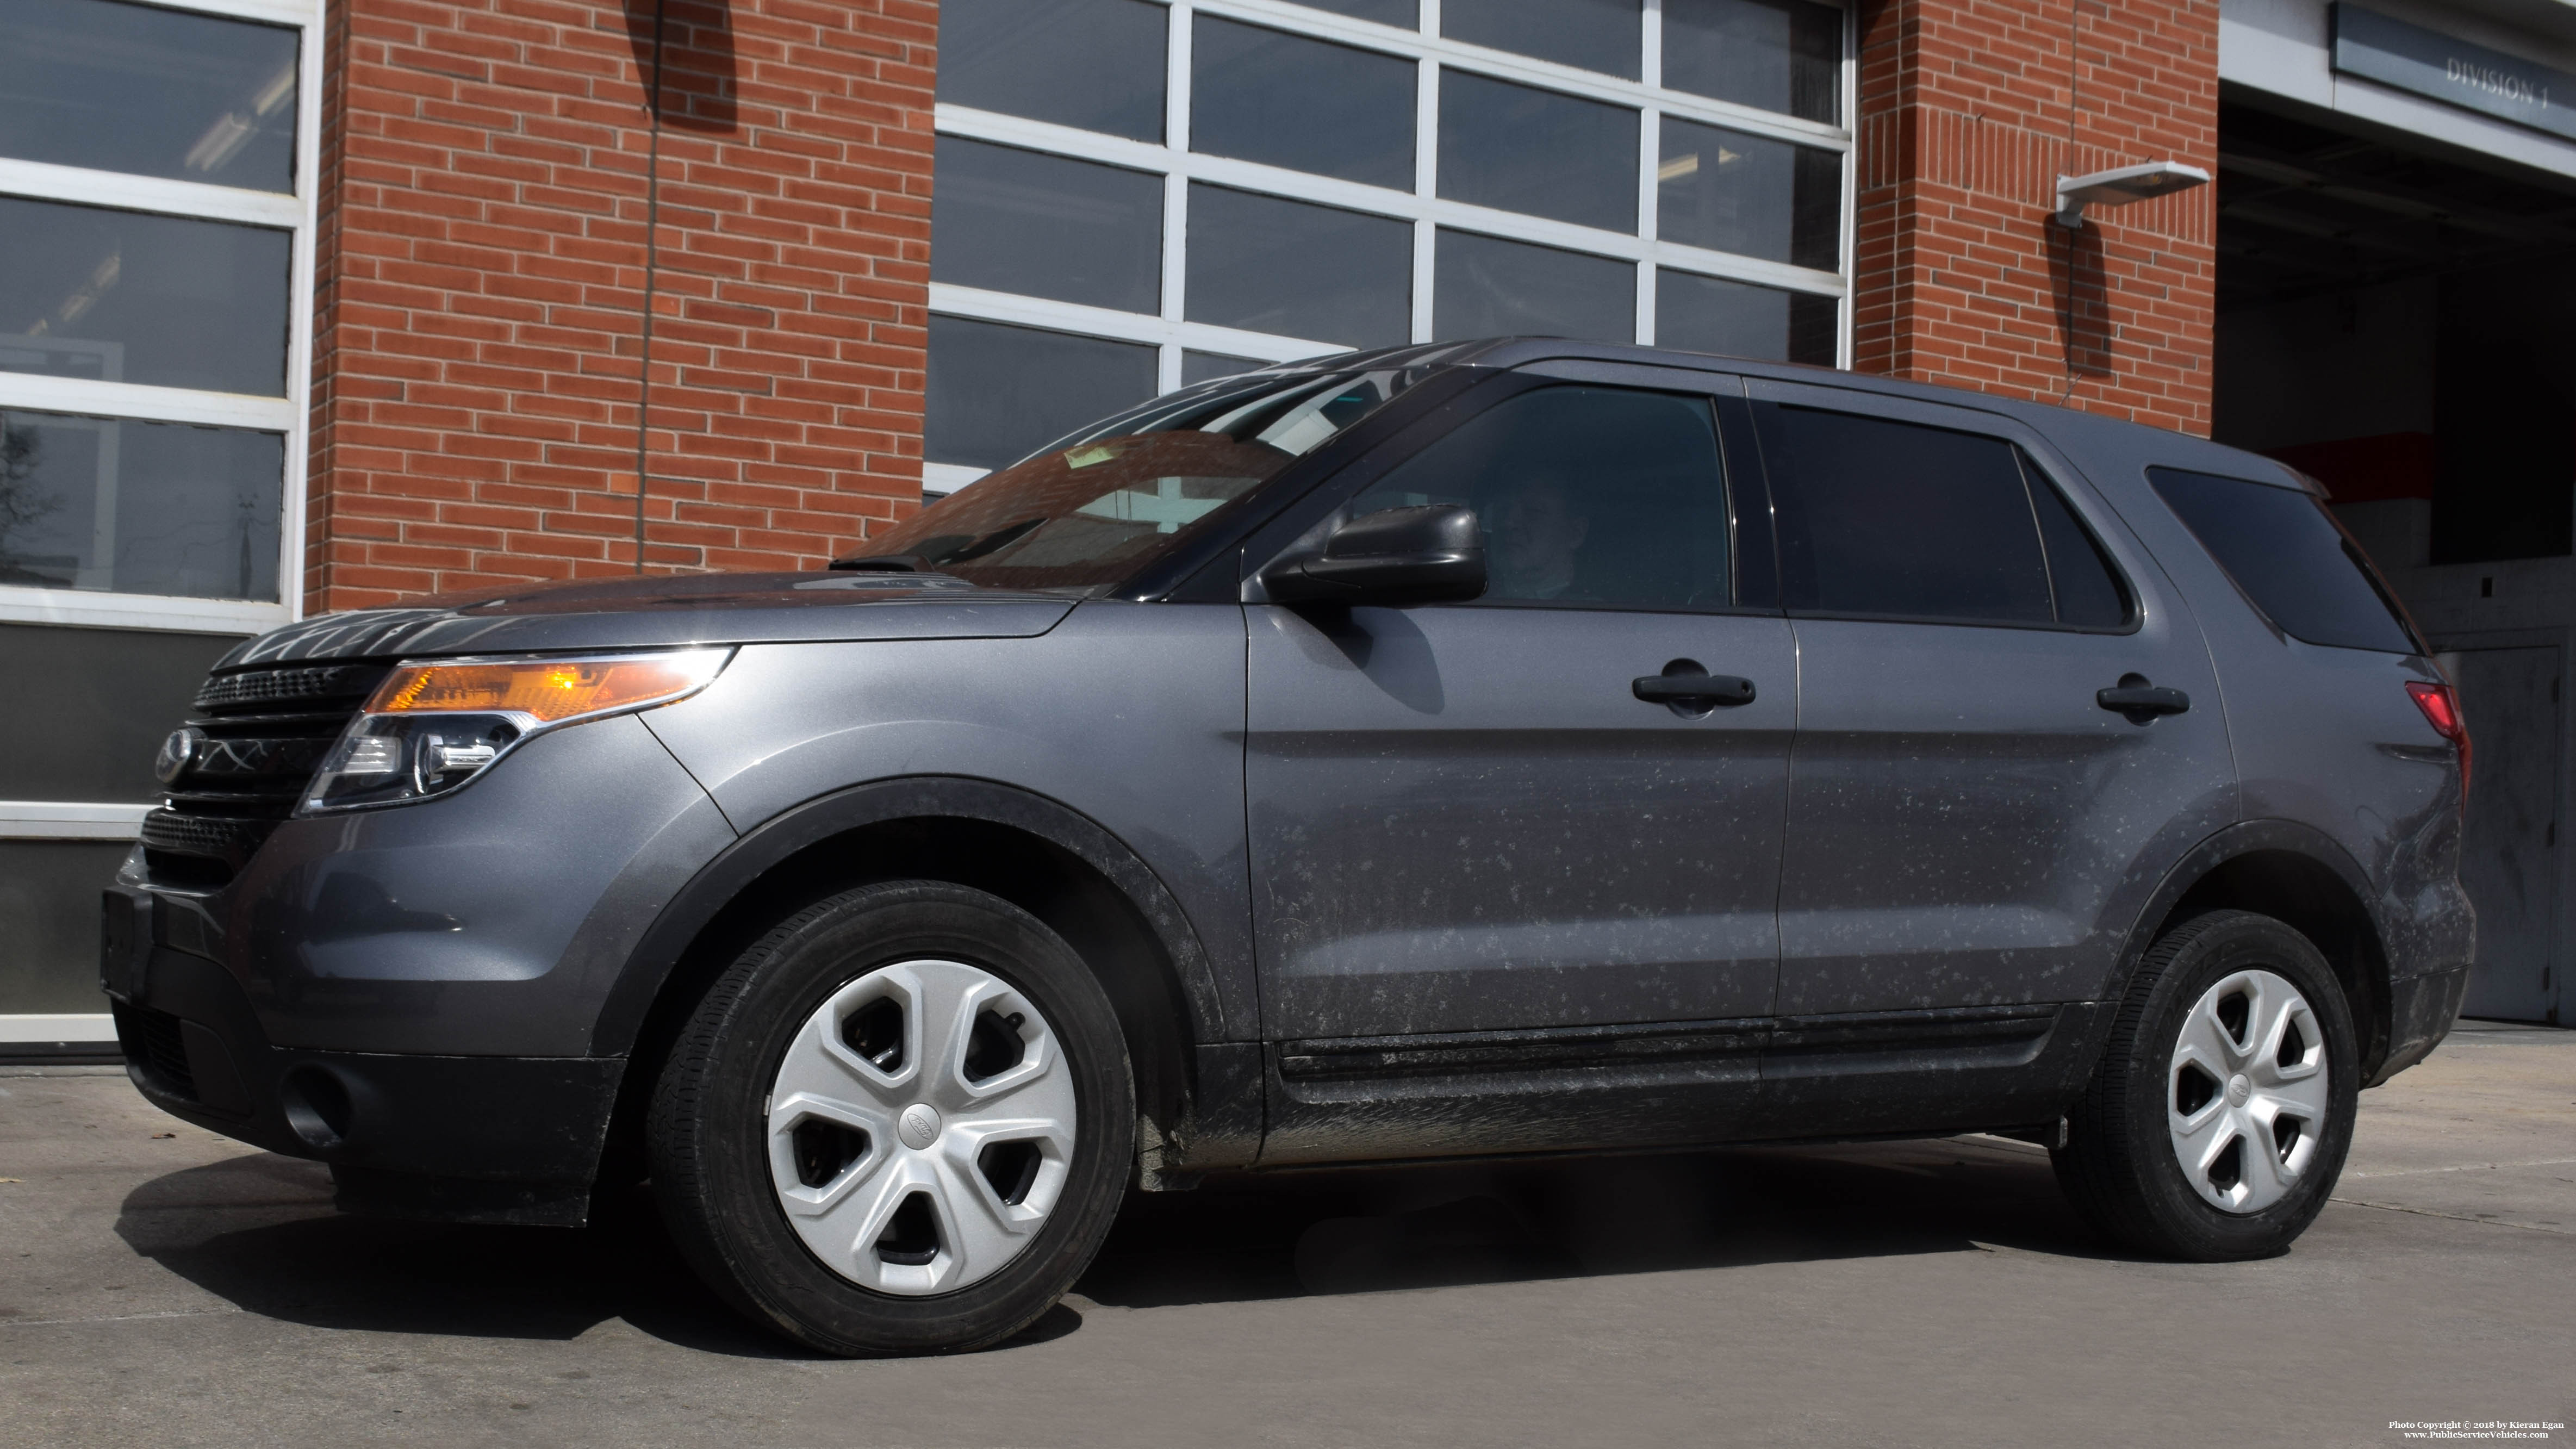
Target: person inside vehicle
1537,534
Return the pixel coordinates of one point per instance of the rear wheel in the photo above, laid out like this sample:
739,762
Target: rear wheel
2218,1119
899,1123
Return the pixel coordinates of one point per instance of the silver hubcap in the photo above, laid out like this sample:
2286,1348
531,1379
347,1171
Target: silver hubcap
920,1127
2246,1096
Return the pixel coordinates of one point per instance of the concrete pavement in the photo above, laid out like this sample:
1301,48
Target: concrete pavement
161,1285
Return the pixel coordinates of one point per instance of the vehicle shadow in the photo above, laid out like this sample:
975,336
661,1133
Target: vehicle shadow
260,1232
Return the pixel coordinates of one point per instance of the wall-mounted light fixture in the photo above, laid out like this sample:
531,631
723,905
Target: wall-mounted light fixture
2122,185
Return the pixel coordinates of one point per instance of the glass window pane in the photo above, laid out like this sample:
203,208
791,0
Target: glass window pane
2088,590
1402,14
2282,549
128,297
1021,221
1780,55
139,508
1258,95
1731,192
1587,496
1895,520
1602,35
1299,270
1739,319
148,91
1489,287
1199,367
1538,152
1097,64
998,393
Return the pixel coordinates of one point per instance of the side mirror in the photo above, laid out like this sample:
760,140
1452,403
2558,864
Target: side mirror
1427,555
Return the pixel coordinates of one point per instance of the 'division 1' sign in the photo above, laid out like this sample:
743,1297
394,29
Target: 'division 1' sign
2429,63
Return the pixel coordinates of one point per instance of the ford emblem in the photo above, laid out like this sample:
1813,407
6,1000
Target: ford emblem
177,753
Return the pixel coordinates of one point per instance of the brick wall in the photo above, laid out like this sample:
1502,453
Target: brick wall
1970,110
484,264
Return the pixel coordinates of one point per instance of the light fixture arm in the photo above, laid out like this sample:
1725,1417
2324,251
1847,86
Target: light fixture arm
2121,185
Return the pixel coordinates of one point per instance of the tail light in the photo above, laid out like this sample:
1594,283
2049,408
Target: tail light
2441,706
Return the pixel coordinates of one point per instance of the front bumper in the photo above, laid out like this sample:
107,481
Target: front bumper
457,1138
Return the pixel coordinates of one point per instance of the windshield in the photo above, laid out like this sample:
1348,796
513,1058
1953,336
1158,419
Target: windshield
1096,507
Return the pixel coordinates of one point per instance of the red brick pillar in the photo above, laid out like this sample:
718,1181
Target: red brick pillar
1970,110
489,168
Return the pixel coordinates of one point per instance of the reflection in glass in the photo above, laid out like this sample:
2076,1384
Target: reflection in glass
1199,367
139,508
1602,35
1489,287
128,297
1299,270
1739,319
1780,55
998,392
1402,14
1096,64
149,92
1045,226
1537,152
1259,95
1732,192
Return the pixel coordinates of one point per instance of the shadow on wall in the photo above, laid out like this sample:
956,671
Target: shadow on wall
2083,303
696,71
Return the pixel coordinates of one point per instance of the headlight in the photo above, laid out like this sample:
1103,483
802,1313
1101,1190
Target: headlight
431,727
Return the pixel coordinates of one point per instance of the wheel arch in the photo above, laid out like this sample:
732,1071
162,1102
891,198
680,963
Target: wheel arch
2301,877
1037,853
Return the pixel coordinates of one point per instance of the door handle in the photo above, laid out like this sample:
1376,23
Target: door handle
1724,691
2141,702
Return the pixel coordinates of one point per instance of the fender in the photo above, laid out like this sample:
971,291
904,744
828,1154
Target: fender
695,905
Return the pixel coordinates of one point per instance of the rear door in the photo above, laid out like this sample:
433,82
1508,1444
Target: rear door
1968,825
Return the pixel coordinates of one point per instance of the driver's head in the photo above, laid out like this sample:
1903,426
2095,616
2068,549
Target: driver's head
1537,530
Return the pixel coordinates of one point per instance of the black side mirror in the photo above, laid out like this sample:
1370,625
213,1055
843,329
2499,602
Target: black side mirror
1428,555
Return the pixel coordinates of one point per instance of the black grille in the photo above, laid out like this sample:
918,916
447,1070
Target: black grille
153,1044
265,732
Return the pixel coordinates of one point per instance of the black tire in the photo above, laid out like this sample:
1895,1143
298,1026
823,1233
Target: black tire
708,1140
2120,1166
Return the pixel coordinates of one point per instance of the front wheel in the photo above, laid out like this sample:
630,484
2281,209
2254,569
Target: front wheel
900,1122
2218,1119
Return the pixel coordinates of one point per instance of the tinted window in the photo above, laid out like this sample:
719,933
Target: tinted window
2088,590
1538,152
1489,287
2289,558
1897,520
148,91
1597,35
139,508
128,297
1781,55
1731,192
1587,496
1019,221
1097,64
1303,104
998,391
1739,319
1108,499
1299,270
1199,367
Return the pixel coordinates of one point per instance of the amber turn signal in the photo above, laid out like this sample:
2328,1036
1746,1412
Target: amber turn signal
547,691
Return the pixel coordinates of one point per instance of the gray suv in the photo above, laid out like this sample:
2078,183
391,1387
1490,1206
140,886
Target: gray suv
1500,748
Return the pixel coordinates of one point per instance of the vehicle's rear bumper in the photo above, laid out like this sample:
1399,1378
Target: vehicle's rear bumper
2420,1012
480,1139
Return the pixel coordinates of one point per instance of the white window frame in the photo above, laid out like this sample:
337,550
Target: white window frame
294,214
1422,206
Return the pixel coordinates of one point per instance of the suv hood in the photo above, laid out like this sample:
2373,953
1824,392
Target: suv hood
649,613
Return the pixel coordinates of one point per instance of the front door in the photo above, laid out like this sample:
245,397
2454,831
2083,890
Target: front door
1969,826
1463,818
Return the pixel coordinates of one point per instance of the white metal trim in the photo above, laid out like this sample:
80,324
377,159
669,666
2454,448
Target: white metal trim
938,480
44,181
70,820
274,12
133,401
80,608
952,300
83,1028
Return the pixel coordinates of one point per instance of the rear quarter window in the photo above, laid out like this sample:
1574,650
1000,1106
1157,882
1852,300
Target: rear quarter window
2285,552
